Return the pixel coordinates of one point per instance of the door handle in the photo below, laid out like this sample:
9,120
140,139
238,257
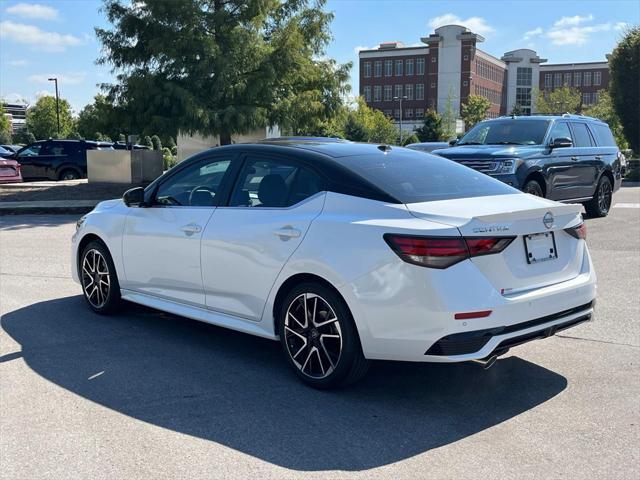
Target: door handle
191,228
287,232
575,159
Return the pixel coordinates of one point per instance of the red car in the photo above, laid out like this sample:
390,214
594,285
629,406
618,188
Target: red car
9,171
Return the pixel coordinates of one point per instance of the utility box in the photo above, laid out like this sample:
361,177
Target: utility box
124,166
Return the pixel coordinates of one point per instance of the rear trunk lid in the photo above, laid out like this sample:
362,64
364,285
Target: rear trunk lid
520,266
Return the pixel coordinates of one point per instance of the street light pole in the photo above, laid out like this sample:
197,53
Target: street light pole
400,100
57,103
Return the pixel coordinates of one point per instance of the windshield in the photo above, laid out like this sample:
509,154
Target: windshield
507,132
412,177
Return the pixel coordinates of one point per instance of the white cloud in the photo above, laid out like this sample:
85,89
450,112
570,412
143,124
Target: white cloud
532,33
621,25
37,38
18,63
572,21
578,35
33,10
359,48
475,24
43,93
73,78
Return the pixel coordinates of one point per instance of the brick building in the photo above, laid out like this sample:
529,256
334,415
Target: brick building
450,67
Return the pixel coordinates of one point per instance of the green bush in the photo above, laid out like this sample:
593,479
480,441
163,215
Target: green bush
413,138
155,141
168,159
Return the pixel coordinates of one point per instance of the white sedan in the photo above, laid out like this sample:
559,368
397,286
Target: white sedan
344,252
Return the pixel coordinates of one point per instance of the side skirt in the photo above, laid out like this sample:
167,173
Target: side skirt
195,313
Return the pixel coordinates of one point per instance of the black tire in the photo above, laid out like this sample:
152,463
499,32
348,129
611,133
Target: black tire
101,298
68,174
533,187
600,204
342,368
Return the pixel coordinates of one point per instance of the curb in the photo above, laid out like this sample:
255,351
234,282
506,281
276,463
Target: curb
52,207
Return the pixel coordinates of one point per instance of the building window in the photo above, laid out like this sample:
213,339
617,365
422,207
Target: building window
433,59
465,57
587,79
367,93
367,69
433,84
567,79
409,65
523,98
399,65
377,93
597,78
547,80
420,66
419,112
586,98
377,68
557,80
595,97
398,93
396,113
388,113
408,113
577,79
408,91
388,68
388,93
465,83
523,76
420,91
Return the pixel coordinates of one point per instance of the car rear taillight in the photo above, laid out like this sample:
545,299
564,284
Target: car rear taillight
442,252
579,232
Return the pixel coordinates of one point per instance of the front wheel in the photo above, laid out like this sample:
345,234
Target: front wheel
319,337
99,280
532,187
600,204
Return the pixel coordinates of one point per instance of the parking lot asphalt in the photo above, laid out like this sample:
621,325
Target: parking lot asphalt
150,395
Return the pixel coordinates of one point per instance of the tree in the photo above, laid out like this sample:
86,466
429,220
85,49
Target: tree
603,110
24,137
431,129
558,101
5,127
474,110
624,64
98,117
413,138
378,127
355,130
147,142
222,67
517,110
42,121
449,118
155,141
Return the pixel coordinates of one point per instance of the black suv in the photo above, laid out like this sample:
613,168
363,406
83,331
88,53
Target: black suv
569,158
57,159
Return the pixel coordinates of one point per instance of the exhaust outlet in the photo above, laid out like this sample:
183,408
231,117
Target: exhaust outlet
486,363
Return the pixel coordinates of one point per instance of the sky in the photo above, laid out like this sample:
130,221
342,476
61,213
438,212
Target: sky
55,38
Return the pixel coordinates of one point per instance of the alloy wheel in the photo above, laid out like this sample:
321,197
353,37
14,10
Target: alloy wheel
96,281
604,197
312,335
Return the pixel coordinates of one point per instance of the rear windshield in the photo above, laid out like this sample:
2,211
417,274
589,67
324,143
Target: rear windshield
507,132
413,177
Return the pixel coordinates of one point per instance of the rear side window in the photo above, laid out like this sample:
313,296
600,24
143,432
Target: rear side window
604,137
413,177
582,138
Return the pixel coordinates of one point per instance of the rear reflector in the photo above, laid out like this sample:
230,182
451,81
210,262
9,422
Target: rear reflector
579,232
442,252
467,315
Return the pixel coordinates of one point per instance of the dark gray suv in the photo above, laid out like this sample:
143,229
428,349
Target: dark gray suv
569,158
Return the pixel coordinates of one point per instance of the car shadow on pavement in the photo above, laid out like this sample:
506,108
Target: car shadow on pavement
237,390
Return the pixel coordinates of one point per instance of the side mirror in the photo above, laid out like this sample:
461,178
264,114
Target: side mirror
134,197
561,142
453,142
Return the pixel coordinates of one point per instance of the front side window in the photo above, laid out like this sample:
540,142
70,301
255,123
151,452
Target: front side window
507,132
560,130
271,183
31,151
195,186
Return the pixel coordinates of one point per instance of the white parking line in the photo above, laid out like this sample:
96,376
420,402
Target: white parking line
627,205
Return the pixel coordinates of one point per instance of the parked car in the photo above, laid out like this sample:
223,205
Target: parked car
428,146
569,158
5,153
12,148
9,171
57,159
123,146
345,252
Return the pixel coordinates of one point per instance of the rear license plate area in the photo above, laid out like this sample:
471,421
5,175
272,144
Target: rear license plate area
7,172
540,247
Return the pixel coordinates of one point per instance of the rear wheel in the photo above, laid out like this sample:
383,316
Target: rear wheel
99,280
68,174
319,337
600,204
534,188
